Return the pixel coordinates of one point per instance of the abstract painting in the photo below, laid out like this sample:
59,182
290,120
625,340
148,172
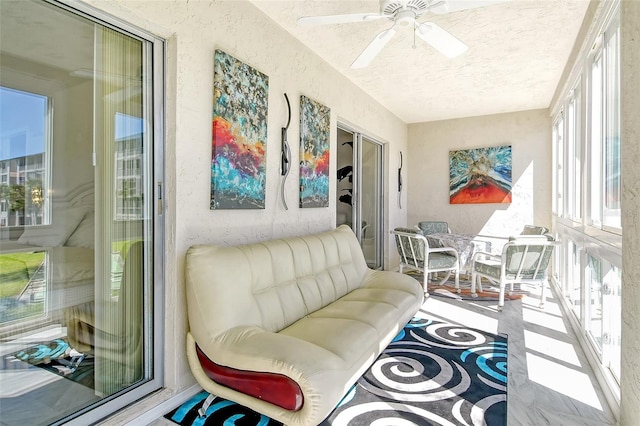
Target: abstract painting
238,165
481,175
314,153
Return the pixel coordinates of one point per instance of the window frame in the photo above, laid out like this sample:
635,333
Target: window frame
594,135
611,118
573,141
37,90
558,165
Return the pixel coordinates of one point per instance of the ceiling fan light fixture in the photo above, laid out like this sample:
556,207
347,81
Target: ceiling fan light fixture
391,7
405,18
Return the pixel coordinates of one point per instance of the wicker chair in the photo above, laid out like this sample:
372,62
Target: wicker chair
416,254
524,259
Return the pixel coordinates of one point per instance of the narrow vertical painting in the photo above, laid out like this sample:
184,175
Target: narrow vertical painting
481,175
238,165
314,153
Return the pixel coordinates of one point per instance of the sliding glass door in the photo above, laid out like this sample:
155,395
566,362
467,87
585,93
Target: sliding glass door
360,191
79,229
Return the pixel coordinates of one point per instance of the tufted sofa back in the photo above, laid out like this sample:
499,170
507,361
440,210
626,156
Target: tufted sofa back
269,284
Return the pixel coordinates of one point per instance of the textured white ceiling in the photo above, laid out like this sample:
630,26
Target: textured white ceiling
517,52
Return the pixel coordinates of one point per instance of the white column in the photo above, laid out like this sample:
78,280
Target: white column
630,107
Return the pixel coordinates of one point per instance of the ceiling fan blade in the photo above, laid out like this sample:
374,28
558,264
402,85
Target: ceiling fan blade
448,6
339,19
440,39
376,45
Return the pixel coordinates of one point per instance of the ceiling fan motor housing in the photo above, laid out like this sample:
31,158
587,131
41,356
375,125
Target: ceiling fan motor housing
392,7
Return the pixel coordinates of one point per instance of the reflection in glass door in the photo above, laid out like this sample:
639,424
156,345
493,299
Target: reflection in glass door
369,180
359,191
77,218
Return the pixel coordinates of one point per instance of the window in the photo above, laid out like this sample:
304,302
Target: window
567,157
604,146
600,145
128,165
595,145
83,287
558,178
23,150
603,314
586,129
573,282
612,320
573,145
593,278
611,143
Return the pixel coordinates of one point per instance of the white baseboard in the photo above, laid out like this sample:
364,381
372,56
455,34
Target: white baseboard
160,409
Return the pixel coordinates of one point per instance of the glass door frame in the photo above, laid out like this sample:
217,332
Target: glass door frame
154,60
356,218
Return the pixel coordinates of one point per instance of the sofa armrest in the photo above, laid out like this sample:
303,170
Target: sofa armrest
277,389
253,348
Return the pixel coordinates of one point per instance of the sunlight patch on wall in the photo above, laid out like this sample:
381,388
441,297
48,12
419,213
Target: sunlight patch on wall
510,221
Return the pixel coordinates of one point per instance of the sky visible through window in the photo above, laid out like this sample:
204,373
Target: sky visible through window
128,126
22,123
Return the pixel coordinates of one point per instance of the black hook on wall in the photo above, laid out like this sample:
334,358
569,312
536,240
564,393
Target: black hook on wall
285,154
400,182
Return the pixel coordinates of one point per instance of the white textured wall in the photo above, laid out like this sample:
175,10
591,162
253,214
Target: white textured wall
630,106
528,133
194,30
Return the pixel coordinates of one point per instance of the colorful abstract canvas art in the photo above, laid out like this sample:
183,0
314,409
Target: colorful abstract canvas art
481,175
314,153
239,142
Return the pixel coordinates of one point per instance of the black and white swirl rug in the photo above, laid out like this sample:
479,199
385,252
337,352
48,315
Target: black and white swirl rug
433,373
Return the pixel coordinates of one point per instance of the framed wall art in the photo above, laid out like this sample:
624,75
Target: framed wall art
481,175
314,153
239,142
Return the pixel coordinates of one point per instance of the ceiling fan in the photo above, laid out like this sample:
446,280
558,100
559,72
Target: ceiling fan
405,13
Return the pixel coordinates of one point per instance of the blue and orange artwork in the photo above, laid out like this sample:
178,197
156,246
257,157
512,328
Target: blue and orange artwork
481,175
239,136
315,120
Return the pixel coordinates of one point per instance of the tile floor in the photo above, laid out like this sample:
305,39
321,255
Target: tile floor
550,380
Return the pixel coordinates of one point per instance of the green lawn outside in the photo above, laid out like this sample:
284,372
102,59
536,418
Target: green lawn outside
17,268
15,271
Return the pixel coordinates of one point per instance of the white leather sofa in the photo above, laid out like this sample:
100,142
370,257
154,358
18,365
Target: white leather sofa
285,327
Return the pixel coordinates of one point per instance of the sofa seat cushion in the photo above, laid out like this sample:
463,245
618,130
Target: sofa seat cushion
344,338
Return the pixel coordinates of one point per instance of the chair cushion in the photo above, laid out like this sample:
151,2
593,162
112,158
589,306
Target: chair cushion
531,261
488,267
441,260
492,268
432,227
403,242
534,230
